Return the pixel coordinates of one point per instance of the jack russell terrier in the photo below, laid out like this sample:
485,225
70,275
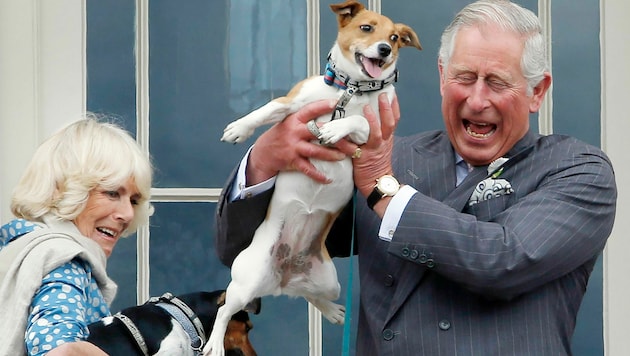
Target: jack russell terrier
170,325
287,254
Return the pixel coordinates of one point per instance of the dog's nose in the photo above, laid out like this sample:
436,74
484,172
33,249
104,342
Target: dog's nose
384,50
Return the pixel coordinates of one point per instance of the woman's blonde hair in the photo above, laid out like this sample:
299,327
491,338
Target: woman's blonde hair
87,154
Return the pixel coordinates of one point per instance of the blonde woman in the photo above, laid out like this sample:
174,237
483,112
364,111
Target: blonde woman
85,187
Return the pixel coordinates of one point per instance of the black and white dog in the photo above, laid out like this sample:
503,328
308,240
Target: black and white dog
170,325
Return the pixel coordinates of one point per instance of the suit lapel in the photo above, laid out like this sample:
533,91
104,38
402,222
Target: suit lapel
458,197
433,166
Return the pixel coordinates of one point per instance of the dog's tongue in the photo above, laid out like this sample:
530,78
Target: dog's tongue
371,67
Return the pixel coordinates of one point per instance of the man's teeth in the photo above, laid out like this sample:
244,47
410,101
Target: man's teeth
477,134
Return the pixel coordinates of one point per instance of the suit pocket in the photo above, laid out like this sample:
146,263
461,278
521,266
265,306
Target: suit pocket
488,209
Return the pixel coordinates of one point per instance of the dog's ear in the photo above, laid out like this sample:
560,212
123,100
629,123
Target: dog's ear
407,36
346,11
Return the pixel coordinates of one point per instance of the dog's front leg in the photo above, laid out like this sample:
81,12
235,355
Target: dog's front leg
241,129
354,126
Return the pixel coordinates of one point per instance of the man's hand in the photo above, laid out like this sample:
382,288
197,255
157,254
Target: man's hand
288,145
376,154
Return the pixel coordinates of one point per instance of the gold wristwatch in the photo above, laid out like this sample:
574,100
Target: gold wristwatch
386,186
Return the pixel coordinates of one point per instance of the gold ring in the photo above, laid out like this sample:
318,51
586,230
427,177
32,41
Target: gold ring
357,153
312,128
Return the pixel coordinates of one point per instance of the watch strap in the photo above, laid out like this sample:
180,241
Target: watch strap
374,198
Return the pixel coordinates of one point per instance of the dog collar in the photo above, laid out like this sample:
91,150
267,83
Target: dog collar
341,80
135,333
185,317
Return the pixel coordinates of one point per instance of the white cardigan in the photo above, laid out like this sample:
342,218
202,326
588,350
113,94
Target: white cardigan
23,264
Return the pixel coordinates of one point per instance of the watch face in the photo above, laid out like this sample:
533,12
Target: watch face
388,185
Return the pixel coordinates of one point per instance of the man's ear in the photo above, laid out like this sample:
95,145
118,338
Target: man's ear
539,93
441,70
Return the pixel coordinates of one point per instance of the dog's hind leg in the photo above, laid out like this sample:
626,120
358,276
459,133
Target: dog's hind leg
251,278
233,304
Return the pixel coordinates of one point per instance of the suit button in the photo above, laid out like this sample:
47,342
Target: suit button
405,252
423,258
444,324
414,254
430,263
389,280
388,334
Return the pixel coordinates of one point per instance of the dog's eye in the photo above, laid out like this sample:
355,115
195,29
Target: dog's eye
366,28
393,38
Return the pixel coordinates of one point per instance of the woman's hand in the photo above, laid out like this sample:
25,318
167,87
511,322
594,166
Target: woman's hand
79,348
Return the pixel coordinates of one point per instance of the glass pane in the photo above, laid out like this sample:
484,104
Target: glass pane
576,69
576,112
122,268
211,62
181,249
111,63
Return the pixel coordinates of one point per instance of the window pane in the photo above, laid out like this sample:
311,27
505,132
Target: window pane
576,112
211,62
122,268
111,63
181,249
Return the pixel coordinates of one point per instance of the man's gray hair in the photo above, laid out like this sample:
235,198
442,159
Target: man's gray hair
510,17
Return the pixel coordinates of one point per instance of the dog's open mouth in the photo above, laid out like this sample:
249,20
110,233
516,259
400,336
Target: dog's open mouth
371,66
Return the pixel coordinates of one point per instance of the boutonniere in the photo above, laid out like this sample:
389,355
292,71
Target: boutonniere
492,186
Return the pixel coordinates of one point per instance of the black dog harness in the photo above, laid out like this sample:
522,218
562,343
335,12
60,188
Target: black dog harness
180,312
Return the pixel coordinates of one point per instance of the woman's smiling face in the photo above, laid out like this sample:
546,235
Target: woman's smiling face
107,214
485,101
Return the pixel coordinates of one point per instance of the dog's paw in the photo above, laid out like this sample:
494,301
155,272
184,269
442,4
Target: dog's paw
214,348
332,131
237,132
333,312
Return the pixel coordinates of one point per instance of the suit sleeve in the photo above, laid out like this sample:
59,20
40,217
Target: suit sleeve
237,221
556,222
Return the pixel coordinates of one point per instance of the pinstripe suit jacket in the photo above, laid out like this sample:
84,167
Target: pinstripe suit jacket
503,277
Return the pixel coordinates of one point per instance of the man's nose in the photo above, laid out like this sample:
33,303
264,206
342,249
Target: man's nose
478,98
